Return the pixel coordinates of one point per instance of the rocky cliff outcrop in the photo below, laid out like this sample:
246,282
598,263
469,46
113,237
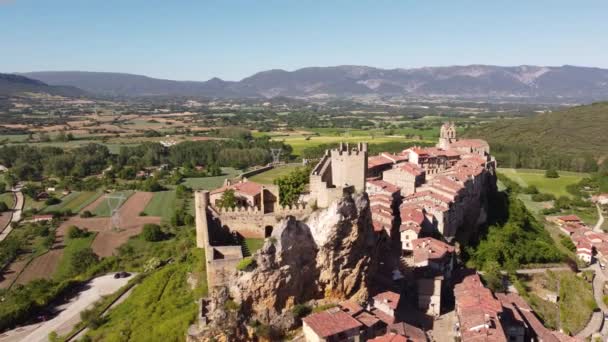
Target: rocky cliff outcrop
332,254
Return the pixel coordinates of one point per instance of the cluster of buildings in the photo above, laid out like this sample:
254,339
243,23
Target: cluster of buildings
590,245
484,316
349,321
420,199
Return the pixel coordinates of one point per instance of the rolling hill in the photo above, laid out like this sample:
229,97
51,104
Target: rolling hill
11,84
561,84
550,139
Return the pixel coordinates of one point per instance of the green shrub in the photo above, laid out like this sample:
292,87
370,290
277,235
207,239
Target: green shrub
301,310
246,264
75,232
86,214
52,201
542,197
3,207
152,232
551,173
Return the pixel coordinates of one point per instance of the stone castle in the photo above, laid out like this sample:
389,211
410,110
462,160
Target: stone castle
420,199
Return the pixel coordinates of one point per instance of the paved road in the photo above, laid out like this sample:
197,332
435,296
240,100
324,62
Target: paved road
596,323
17,209
600,220
70,312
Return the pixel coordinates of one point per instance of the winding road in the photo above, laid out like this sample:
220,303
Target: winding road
600,220
16,215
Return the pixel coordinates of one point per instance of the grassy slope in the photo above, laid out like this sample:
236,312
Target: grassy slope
575,130
269,176
162,204
160,309
8,198
72,246
555,186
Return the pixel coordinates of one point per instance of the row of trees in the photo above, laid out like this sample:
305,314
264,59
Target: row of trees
31,163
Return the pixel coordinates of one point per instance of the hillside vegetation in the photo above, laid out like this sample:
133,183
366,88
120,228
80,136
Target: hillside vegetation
572,139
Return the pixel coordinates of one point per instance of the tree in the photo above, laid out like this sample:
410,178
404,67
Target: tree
292,185
83,259
3,207
551,173
2,187
75,232
11,179
228,199
152,232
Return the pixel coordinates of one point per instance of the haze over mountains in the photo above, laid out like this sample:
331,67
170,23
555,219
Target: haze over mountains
564,83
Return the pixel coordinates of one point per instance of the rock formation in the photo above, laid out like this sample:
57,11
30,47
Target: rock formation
330,255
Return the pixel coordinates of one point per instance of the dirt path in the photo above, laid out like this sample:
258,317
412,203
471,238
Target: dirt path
106,242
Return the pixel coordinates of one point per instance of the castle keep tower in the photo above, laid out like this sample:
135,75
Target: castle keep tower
447,135
338,169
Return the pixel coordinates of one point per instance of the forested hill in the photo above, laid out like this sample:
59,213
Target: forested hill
570,139
11,84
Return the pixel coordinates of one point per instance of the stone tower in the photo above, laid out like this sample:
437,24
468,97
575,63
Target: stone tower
447,135
348,166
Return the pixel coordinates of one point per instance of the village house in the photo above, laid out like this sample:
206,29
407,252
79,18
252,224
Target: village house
433,254
331,325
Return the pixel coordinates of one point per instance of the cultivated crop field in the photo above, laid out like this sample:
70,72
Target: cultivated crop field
555,186
210,183
162,205
269,176
103,208
300,143
75,201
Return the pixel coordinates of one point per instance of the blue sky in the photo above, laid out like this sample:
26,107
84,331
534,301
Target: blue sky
230,39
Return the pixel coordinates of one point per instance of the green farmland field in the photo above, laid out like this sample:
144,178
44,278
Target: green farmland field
210,183
103,209
64,269
162,205
300,143
74,202
269,176
555,186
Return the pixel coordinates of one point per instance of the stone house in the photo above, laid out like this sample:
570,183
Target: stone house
405,176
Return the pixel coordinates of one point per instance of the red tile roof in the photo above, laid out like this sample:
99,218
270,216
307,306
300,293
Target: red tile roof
569,218
388,297
412,333
410,168
474,143
389,337
384,186
247,188
331,322
425,249
351,307
367,319
380,160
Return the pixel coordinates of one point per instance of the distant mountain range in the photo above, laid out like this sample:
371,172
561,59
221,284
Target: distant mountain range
11,84
561,83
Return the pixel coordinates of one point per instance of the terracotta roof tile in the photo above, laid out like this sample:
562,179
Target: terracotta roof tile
331,322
